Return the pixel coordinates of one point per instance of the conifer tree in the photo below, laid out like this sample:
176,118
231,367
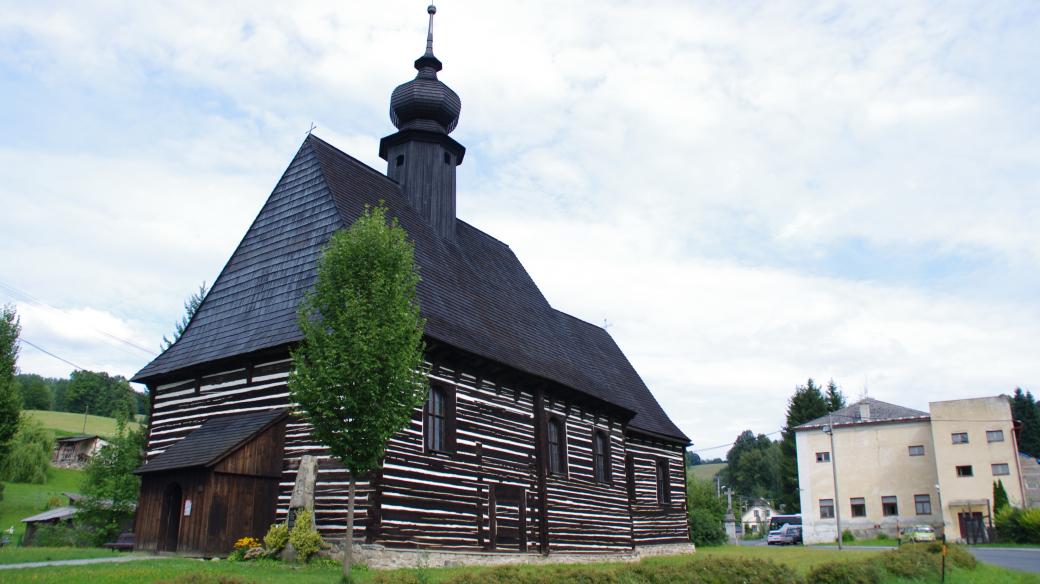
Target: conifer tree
358,372
807,403
1024,409
835,397
1000,497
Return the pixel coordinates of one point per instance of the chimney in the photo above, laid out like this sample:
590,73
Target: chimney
864,411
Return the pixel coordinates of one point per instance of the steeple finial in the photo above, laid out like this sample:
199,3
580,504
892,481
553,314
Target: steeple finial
431,10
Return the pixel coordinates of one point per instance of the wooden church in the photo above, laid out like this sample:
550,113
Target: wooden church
538,435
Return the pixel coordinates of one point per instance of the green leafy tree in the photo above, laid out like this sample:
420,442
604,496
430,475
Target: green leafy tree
29,458
693,459
111,487
359,370
835,397
100,394
1000,497
807,403
10,328
705,512
35,392
1024,409
191,305
752,468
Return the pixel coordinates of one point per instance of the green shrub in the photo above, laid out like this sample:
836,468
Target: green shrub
304,538
861,572
847,536
62,535
276,538
206,579
911,561
705,528
29,453
1018,526
955,554
882,536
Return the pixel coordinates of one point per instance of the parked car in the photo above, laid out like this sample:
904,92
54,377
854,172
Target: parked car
920,533
786,535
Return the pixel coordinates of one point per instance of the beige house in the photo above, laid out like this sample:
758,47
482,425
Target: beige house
898,467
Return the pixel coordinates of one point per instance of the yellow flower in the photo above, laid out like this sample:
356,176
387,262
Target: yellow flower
247,543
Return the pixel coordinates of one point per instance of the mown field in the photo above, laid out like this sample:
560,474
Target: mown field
69,424
707,472
206,572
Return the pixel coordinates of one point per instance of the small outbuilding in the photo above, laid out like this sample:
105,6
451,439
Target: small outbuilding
76,451
56,516
218,484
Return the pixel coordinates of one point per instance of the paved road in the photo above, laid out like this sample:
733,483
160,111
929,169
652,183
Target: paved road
1023,559
115,560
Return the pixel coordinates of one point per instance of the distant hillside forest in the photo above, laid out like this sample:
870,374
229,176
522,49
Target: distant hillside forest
97,393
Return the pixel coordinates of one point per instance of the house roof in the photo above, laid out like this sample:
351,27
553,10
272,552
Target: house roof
879,412
79,438
474,294
212,441
56,514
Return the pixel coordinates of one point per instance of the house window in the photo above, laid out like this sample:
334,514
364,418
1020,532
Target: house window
664,483
823,457
917,450
889,506
439,419
994,435
557,447
826,508
959,437
400,160
859,506
965,471
923,504
630,476
447,158
601,456
1001,469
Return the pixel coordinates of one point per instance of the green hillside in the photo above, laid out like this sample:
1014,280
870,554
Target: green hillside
22,500
69,424
707,471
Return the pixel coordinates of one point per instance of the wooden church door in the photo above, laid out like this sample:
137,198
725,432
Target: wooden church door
170,518
507,517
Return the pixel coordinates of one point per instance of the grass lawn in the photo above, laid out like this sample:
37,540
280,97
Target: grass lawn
21,555
707,472
22,499
801,559
69,424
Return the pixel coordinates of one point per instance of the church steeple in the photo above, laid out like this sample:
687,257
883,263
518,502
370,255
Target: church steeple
421,156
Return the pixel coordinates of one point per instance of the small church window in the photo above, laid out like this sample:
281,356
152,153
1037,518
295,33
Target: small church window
400,159
439,419
630,477
664,483
601,456
447,158
557,447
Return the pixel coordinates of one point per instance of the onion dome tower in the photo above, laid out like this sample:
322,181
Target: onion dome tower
421,156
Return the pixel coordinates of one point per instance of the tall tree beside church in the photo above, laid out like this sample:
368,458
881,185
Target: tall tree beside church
1024,409
10,328
190,306
835,397
807,403
752,466
359,370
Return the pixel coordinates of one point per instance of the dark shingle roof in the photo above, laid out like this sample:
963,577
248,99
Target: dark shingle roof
475,294
210,442
879,412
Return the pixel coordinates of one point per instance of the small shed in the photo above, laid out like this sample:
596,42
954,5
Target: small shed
58,515
218,484
76,451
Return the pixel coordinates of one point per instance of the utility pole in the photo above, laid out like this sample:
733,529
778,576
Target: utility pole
86,410
829,429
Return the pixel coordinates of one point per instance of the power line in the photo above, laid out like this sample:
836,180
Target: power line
14,291
42,350
698,451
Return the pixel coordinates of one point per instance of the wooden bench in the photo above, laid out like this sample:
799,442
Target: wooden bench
123,543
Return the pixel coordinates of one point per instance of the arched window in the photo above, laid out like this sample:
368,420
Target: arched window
557,447
601,456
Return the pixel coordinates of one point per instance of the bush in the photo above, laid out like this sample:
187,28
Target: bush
705,528
276,538
911,561
882,536
861,572
206,579
694,571
62,535
1018,526
847,536
29,455
304,538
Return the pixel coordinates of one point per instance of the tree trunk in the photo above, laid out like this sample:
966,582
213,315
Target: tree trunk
348,545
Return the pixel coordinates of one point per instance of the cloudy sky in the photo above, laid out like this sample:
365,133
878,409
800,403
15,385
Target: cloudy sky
746,193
